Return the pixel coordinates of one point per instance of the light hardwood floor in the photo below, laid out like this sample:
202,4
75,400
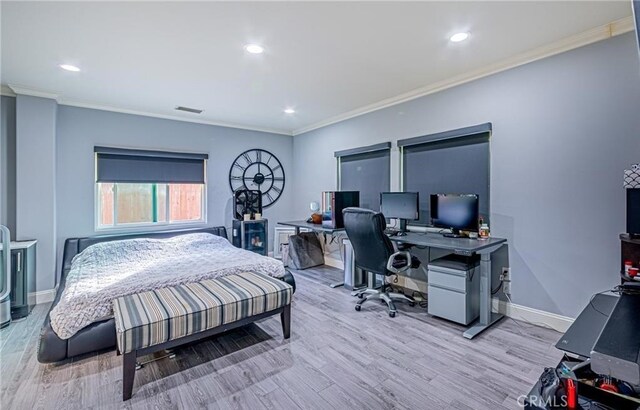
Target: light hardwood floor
336,358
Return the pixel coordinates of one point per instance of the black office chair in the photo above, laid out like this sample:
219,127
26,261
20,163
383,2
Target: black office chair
375,253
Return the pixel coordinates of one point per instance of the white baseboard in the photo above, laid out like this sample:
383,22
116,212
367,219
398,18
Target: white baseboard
534,316
531,315
44,296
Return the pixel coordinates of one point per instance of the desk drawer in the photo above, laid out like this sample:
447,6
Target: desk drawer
450,305
457,282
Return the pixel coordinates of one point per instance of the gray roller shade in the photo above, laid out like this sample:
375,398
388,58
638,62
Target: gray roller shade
367,172
139,166
448,166
363,150
447,135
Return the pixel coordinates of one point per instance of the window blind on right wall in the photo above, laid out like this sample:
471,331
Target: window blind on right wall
452,162
366,170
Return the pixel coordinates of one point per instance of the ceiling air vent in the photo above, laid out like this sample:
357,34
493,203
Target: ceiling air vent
187,109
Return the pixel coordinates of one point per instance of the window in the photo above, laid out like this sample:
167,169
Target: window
366,170
121,204
452,162
138,188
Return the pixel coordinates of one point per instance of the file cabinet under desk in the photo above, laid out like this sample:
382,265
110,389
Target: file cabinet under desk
23,278
454,288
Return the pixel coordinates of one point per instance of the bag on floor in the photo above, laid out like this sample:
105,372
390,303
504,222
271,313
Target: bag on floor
305,251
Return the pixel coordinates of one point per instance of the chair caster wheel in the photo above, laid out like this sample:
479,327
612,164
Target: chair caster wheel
392,314
358,307
360,295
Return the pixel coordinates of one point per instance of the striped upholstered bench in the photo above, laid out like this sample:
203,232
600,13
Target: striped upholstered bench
165,318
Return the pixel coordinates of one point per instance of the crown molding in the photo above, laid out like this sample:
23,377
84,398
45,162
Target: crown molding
12,91
622,26
6,91
20,90
81,104
594,35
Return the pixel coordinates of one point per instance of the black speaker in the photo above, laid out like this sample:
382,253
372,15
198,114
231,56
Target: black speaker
633,212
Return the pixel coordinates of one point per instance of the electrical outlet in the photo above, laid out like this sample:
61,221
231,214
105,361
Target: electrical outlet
505,277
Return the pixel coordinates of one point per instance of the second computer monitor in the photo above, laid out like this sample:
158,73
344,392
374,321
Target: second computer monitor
401,205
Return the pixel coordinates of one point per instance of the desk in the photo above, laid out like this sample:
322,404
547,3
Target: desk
310,226
466,247
459,246
583,333
314,228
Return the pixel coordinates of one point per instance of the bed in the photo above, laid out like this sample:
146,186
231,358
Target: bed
99,333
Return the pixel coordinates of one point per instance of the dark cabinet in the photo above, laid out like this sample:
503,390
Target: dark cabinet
23,278
251,235
630,248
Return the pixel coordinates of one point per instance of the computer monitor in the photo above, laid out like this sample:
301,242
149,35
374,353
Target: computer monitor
458,212
401,205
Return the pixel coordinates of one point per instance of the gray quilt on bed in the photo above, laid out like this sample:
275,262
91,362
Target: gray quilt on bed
108,270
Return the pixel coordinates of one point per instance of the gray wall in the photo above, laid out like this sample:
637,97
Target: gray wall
36,181
564,129
79,130
8,163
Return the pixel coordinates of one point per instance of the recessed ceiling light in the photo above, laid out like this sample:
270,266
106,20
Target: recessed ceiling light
458,37
289,111
254,48
69,67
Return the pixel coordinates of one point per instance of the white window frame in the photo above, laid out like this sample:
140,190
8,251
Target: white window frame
149,226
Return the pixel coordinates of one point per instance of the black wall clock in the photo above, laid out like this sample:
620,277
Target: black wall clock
261,170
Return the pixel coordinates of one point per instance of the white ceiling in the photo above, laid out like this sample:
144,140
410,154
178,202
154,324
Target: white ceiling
322,58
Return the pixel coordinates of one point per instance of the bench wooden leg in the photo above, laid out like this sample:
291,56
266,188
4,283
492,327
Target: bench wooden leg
285,318
128,374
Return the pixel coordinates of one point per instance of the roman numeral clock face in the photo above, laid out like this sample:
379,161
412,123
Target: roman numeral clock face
258,169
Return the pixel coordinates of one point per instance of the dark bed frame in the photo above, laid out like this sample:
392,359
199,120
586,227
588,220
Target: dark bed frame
98,335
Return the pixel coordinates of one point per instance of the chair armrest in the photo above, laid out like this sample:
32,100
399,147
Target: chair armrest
407,259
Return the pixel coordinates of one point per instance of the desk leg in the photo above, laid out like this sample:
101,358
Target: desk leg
487,318
337,284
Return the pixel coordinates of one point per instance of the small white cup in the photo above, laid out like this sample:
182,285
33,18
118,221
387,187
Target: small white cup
257,216
247,217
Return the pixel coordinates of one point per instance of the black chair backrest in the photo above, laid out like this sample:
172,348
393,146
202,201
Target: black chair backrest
372,248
